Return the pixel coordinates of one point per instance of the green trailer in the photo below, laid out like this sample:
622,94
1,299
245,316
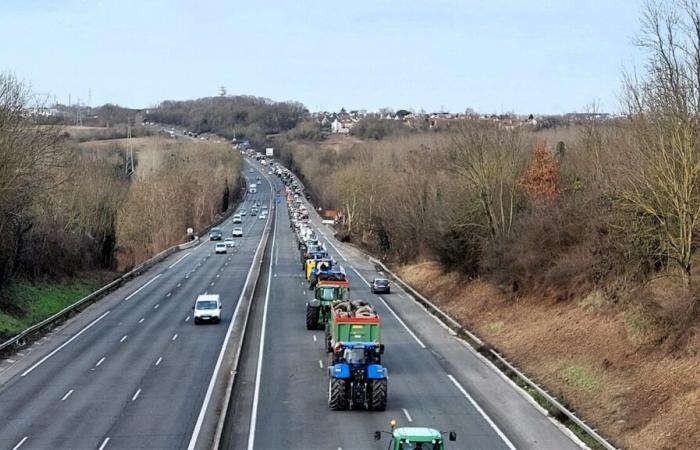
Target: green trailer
353,322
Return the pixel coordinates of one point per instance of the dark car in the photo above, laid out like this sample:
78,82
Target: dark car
380,286
215,234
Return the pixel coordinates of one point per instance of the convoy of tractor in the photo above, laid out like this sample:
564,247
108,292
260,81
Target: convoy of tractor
357,379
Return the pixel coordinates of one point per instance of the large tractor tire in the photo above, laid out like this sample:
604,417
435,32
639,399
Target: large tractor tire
312,317
337,394
376,399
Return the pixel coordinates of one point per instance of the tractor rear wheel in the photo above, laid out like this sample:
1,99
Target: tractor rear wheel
337,394
311,317
376,400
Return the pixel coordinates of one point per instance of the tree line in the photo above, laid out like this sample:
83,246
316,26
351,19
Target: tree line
245,117
66,208
610,206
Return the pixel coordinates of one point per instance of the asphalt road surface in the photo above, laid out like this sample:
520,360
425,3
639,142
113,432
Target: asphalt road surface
435,380
131,370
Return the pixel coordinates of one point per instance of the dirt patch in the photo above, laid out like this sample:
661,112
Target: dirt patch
606,365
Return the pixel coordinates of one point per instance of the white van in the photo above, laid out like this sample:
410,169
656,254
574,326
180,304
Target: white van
253,188
207,308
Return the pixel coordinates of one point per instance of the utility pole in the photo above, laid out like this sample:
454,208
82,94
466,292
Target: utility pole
129,166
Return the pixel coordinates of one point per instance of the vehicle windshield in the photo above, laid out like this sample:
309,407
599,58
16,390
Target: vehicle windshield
381,282
405,445
332,293
354,355
215,231
206,304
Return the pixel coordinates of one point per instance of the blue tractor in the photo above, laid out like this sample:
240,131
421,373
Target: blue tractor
357,378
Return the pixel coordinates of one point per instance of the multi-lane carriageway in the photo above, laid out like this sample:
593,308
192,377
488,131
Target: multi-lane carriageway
132,371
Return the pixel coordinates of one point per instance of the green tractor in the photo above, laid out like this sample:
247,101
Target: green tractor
327,290
415,438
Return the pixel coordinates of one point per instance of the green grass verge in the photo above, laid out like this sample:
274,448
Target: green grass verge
34,302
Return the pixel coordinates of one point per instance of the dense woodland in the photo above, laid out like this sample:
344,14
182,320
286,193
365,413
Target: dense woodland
246,117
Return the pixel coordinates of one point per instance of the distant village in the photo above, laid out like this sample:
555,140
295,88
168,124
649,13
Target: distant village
342,122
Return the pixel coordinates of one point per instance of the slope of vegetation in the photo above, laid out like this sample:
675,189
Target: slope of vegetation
27,303
573,250
69,212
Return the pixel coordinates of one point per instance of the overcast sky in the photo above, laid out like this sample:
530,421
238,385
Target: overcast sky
538,56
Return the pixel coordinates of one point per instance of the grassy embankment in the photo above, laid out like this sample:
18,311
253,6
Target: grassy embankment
34,301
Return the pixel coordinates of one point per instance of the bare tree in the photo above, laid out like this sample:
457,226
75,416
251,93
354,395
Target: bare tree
663,165
488,162
32,162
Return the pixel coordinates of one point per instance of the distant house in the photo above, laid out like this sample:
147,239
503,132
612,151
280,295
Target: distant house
341,126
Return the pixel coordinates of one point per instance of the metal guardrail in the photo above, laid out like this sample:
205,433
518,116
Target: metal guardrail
68,309
136,271
459,328
453,324
257,263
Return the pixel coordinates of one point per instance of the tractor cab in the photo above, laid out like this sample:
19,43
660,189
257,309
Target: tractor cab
415,438
319,262
329,286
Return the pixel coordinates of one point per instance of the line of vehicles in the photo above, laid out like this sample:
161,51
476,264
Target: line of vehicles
356,377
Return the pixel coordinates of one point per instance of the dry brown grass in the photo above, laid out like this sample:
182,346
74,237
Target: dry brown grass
640,394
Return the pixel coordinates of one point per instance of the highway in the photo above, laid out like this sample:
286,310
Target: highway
435,380
130,371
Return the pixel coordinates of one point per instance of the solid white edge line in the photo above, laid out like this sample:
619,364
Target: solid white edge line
212,382
19,444
332,245
360,275
408,416
258,374
178,261
67,395
75,336
413,335
142,287
104,444
481,412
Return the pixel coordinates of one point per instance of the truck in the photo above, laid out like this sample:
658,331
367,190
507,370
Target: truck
357,378
415,437
253,188
332,286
